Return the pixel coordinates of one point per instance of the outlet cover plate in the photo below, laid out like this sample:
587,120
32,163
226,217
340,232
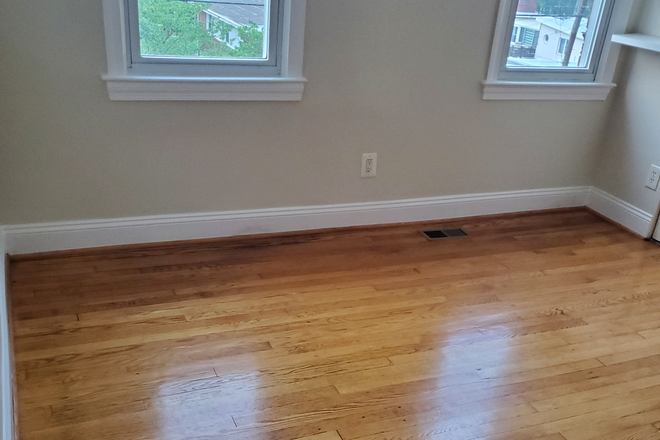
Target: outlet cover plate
653,178
369,165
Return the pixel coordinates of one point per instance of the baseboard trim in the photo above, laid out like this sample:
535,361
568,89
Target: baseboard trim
33,238
7,383
46,237
630,217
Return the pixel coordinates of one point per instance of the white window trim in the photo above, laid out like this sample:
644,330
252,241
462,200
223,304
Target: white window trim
598,90
123,86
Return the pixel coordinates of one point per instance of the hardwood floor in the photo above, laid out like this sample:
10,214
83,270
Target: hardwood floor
540,325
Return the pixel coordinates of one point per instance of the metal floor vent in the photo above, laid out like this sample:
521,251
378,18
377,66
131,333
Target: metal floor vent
439,234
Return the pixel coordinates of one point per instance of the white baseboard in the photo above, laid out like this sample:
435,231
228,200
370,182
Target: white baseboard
6,368
627,215
24,239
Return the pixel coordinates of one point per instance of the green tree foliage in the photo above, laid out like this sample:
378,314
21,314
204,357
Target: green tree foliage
561,7
252,42
172,27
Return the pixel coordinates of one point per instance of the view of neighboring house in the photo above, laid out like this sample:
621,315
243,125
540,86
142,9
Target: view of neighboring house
525,38
235,13
542,40
545,41
555,33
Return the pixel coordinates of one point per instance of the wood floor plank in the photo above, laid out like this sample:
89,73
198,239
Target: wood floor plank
647,432
324,436
542,325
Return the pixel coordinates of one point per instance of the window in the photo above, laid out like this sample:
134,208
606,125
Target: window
204,50
530,37
581,23
575,53
167,34
515,35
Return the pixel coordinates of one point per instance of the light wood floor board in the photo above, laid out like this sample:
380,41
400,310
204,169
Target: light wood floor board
535,326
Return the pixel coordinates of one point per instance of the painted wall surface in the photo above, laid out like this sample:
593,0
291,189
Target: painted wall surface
631,142
67,152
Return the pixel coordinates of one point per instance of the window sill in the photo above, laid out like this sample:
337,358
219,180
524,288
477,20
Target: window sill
145,88
542,91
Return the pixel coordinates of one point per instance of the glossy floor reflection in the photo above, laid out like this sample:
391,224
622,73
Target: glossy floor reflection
541,325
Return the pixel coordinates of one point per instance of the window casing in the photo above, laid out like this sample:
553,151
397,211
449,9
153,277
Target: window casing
277,76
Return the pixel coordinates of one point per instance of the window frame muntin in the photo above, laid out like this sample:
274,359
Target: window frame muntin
532,74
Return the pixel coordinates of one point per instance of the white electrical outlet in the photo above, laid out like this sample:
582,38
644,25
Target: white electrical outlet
653,178
369,163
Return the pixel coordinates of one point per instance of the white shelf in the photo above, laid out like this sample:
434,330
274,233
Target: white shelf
640,41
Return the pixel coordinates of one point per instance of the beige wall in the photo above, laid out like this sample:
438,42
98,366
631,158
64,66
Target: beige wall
398,78
632,141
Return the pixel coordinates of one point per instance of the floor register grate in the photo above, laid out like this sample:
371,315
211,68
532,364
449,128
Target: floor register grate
441,234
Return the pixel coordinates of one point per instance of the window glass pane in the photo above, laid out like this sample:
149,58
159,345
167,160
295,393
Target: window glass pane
214,29
551,34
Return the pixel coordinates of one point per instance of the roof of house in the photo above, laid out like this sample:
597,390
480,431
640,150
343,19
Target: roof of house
240,12
529,23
